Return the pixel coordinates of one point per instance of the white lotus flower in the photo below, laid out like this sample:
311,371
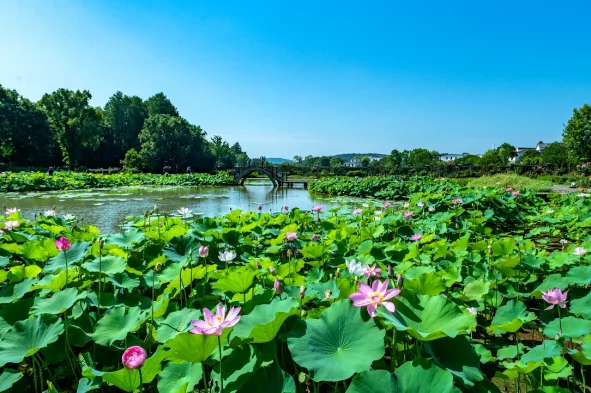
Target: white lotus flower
69,217
227,256
185,212
49,213
355,268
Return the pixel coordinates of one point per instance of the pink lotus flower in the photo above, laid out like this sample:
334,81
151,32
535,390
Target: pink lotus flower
49,213
12,211
421,204
371,271
515,193
215,324
317,208
456,201
314,237
134,357
357,211
374,296
10,225
203,251
290,236
387,205
63,244
277,286
509,189
580,251
260,207
416,236
408,215
286,208
555,297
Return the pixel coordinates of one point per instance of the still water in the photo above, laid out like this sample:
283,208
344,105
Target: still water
107,208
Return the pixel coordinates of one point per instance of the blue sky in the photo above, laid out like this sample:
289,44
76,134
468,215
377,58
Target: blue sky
321,78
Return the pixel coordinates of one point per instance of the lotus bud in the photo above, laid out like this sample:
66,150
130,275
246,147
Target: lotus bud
158,267
314,237
101,243
389,270
272,271
489,249
260,207
277,286
303,377
289,253
516,243
330,276
203,251
302,292
337,273
258,265
399,281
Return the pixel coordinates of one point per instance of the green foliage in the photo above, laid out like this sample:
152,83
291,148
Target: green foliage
576,135
515,181
555,154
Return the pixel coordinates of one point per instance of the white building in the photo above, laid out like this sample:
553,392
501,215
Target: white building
358,162
541,146
446,157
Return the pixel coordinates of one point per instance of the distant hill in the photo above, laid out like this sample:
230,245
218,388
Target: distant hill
276,160
348,156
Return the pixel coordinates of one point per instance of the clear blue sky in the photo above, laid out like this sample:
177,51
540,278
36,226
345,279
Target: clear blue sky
322,77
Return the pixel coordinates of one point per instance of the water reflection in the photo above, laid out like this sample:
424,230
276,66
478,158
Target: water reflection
107,208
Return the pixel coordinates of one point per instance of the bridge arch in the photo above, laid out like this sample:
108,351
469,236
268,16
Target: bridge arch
242,175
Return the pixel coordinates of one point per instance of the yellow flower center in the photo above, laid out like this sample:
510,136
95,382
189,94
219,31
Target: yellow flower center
376,298
220,318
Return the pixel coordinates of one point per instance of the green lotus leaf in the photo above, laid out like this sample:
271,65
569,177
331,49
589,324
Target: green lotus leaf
14,292
579,275
509,352
264,322
375,381
124,280
476,289
19,273
427,284
510,317
270,379
557,367
458,356
179,247
74,255
548,349
484,353
35,251
238,367
27,337
569,327
423,376
115,325
552,281
237,282
5,327
58,303
8,378
126,240
189,347
582,306
176,322
428,317
108,265
179,378
337,345
315,250
550,389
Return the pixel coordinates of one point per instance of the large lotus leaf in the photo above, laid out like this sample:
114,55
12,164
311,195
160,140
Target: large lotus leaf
548,349
422,376
129,380
315,250
5,327
337,345
74,255
428,317
264,322
179,378
427,284
237,368
116,324
189,347
126,240
552,281
27,337
176,322
375,381
14,292
18,273
8,378
476,289
109,264
179,247
556,368
34,250
236,282
579,275
58,303
124,280
570,327
510,317
269,380
582,306
458,356
550,389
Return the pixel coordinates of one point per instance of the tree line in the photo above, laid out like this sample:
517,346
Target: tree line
62,128
575,148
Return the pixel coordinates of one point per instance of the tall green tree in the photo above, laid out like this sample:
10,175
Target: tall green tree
395,158
336,161
159,104
531,157
505,152
423,157
75,123
491,158
555,154
576,135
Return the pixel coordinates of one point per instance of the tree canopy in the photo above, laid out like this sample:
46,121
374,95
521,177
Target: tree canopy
576,135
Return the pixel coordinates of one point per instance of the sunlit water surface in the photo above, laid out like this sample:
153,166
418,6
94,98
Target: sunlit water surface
107,208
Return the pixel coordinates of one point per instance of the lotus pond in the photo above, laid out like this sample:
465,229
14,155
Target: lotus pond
457,290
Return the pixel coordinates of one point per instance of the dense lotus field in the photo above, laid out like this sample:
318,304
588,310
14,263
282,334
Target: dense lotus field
450,290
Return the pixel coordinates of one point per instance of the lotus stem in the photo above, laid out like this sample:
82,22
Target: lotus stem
40,372
221,377
141,380
204,375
